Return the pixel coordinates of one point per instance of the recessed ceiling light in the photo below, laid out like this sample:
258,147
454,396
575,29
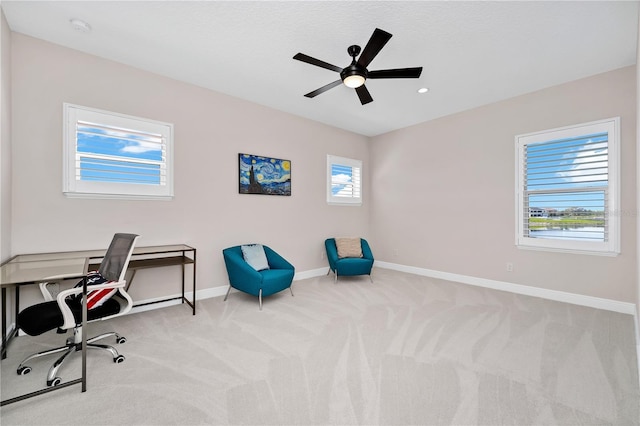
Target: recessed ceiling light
80,26
423,90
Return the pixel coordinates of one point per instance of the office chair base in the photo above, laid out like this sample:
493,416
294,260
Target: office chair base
73,344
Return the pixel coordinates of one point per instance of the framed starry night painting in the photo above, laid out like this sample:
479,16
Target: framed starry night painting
264,175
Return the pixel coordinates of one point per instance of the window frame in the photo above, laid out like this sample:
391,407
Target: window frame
75,188
345,162
611,247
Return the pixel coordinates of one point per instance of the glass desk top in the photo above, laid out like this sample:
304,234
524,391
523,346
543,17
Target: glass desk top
30,268
26,269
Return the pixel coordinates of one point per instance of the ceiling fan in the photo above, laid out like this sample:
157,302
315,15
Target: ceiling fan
355,75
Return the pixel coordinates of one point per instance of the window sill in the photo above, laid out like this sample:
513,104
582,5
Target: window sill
118,196
570,251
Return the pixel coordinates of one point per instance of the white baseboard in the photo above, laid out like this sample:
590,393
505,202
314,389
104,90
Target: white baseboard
156,304
310,274
150,304
559,296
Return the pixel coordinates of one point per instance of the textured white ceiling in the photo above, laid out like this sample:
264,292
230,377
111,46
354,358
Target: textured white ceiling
473,53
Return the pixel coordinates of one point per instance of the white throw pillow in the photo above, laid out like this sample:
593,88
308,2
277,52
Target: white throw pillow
254,255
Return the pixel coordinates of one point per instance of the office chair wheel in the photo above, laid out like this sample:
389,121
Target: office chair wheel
119,359
22,370
121,340
55,382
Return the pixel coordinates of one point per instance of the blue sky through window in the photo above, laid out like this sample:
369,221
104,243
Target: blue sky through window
557,167
118,155
341,180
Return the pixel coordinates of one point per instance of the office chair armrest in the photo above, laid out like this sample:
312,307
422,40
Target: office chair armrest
46,294
67,314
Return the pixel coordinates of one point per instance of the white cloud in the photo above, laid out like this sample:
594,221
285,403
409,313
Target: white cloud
140,147
341,179
595,159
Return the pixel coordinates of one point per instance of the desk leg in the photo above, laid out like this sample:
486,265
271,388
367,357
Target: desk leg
182,280
4,322
194,282
7,338
84,333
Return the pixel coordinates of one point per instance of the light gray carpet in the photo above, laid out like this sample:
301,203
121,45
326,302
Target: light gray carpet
403,350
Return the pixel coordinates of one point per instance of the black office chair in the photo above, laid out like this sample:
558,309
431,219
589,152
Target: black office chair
106,298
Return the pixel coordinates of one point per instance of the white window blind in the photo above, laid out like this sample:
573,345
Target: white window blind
344,180
567,188
113,155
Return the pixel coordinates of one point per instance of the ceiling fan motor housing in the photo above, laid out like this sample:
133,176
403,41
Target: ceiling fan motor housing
353,51
353,69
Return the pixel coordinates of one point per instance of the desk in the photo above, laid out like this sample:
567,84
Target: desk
28,270
154,257
34,268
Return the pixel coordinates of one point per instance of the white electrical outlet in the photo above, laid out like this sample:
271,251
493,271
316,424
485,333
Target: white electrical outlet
509,267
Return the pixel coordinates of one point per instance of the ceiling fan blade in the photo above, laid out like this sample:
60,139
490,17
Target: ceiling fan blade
396,73
323,89
317,62
377,41
364,95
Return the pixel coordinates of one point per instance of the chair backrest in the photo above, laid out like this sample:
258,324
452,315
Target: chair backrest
115,262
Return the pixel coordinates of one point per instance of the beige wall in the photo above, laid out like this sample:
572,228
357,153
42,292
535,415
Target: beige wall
5,139
210,130
443,191
439,195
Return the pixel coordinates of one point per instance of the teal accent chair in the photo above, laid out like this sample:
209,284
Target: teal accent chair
349,266
243,277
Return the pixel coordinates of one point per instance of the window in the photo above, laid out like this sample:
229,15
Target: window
567,191
344,181
110,155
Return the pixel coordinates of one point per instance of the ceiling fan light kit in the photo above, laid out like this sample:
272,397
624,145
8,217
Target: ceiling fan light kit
355,75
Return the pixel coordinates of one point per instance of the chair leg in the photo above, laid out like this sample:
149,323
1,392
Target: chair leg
43,353
102,336
370,278
227,295
107,348
291,290
260,298
335,279
53,371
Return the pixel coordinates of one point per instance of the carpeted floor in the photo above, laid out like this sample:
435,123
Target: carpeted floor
404,350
